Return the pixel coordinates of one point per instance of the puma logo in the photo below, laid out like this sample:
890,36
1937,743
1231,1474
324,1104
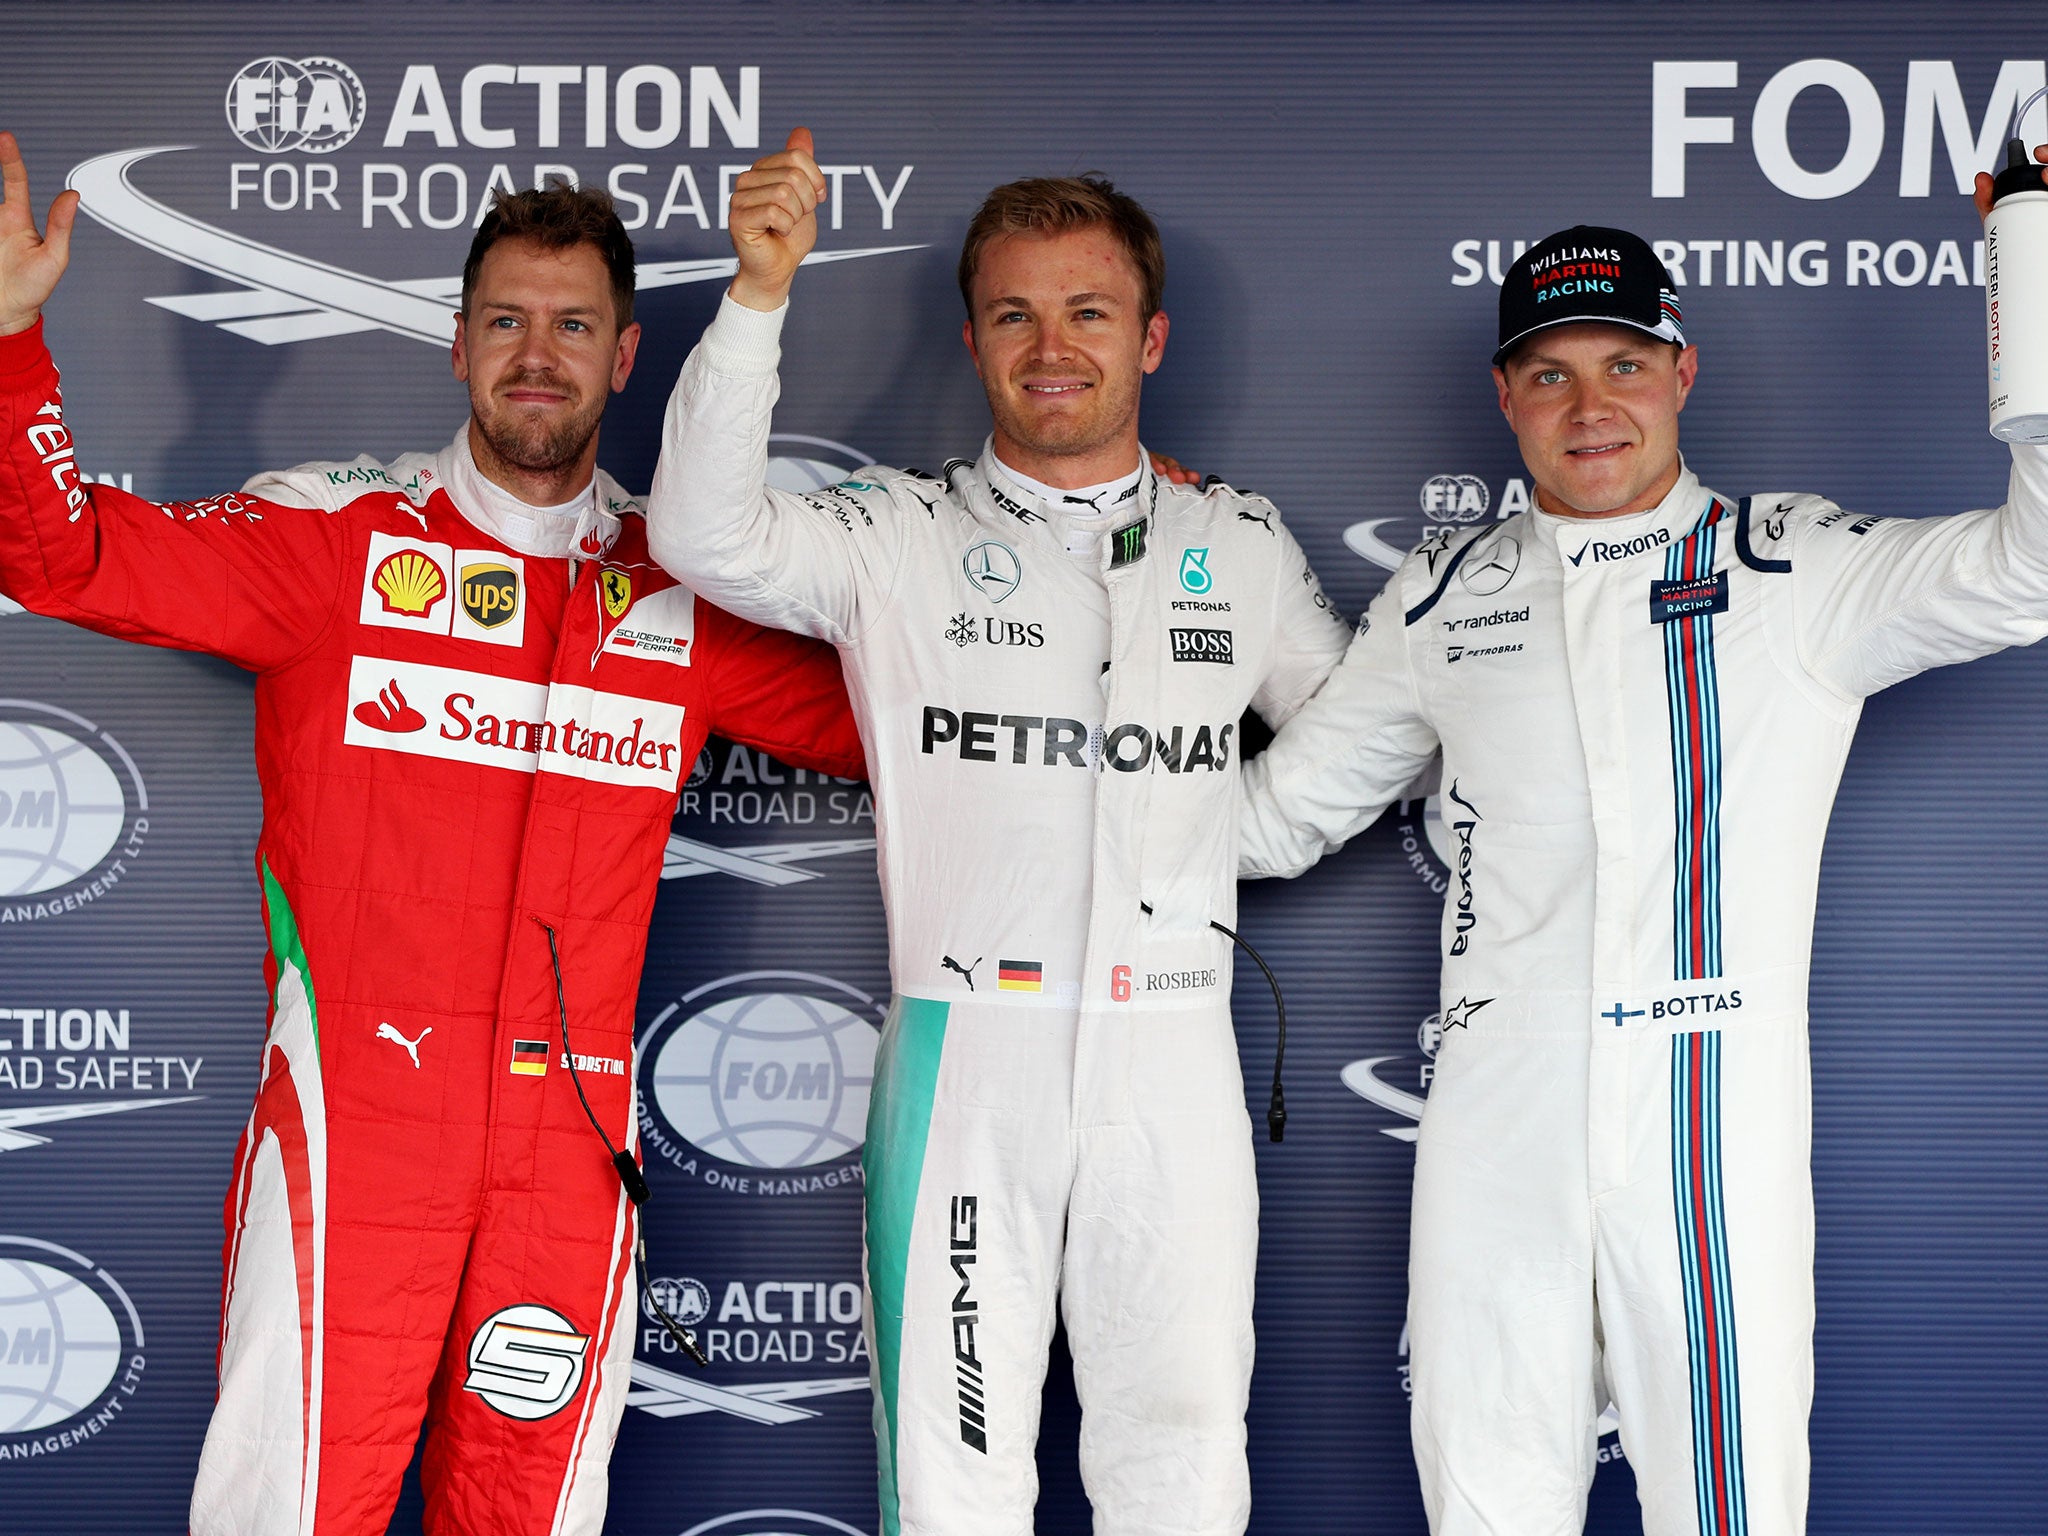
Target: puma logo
965,970
412,1047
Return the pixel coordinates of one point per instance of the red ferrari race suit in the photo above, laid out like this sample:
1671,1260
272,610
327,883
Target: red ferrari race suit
469,742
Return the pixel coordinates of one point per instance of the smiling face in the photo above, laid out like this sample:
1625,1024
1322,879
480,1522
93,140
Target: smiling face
1059,338
541,350
1595,409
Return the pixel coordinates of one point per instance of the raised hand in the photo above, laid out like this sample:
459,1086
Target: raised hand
1982,196
773,219
30,264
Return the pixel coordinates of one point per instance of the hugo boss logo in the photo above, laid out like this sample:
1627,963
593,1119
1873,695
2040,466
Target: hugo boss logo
1202,645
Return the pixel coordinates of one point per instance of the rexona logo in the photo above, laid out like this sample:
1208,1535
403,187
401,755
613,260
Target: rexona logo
71,1349
73,811
754,1076
774,1522
748,1328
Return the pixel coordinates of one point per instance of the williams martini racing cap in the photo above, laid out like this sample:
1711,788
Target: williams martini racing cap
1587,273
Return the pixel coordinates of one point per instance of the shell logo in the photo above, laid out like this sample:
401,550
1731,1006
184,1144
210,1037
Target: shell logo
409,583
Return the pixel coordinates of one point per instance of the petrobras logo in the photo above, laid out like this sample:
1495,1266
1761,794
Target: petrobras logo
750,1080
501,722
736,801
313,105
89,1059
1445,503
71,1349
74,812
318,156
754,1332
774,1522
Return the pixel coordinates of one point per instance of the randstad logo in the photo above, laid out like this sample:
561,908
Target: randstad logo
313,105
767,1070
73,811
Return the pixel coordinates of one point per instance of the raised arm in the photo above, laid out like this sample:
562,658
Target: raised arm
234,575
1880,599
814,563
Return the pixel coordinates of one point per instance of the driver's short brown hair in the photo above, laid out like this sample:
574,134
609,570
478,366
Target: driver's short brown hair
558,217
1058,205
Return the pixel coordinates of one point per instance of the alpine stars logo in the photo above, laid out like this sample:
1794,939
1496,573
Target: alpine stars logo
1602,551
1462,829
966,1313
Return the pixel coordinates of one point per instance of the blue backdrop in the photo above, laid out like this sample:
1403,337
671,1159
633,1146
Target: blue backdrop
1339,187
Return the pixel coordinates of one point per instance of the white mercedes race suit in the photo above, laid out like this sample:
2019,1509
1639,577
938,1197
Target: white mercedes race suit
1058,1111
1643,720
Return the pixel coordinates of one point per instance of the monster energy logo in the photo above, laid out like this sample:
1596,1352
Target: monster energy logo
1127,545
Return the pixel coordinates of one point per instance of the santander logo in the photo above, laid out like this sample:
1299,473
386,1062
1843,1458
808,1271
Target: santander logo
389,711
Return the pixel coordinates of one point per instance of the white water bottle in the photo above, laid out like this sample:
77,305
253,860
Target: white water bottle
2016,298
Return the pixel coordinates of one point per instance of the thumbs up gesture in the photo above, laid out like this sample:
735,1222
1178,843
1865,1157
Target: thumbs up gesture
774,221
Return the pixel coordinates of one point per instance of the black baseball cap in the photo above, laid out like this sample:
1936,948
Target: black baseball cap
1588,273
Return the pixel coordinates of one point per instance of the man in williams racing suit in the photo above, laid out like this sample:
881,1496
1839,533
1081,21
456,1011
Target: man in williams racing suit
474,696
1049,651
1644,693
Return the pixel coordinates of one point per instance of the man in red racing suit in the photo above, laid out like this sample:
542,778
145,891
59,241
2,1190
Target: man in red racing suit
472,712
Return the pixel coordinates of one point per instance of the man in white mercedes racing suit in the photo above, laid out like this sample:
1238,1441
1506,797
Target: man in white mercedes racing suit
1048,652
1644,693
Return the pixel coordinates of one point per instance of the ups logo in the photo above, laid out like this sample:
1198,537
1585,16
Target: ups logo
618,592
490,593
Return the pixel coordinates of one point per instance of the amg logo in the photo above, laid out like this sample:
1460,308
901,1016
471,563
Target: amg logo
1202,645
966,1312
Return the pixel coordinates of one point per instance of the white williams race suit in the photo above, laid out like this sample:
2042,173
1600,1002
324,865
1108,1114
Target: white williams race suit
1051,722
1643,720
